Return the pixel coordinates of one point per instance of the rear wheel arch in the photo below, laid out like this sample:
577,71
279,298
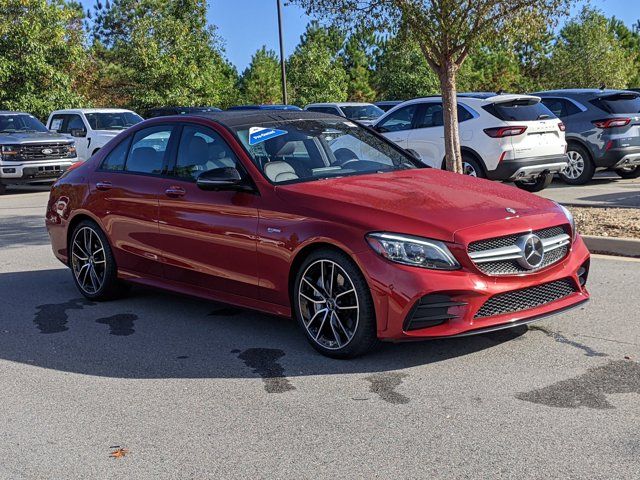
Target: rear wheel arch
577,142
469,152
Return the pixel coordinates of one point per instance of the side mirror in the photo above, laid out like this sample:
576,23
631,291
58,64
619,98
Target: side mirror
78,132
227,178
379,129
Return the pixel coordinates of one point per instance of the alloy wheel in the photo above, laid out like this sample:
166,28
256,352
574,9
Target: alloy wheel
468,169
88,260
328,304
575,167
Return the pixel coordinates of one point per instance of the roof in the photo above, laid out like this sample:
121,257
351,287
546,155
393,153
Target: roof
92,110
237,118
579,91
339,104
265,107
9,112
479,98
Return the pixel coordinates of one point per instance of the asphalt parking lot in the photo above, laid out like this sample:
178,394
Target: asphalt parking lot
200,390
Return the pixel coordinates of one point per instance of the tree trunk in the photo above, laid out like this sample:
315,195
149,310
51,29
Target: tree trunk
447,76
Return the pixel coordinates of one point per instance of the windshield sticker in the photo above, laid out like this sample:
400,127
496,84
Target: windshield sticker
260,134
56,124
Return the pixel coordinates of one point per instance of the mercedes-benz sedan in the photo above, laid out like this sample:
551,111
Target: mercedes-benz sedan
261,210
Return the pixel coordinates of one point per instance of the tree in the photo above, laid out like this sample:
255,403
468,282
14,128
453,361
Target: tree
447,31
315,70
155,52
260,82
589,37
42,51
629,39
358,63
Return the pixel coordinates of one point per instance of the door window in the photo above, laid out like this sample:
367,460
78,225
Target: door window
117,157
330,110
401,119
432,116
74,123
201,149
148,150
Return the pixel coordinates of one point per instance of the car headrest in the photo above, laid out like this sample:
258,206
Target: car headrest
279,147
198,150
438,117
279,172
144,159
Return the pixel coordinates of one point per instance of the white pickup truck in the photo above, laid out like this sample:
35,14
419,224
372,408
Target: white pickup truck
91,128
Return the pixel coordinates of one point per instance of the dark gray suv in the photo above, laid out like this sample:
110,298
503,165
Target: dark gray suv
602,131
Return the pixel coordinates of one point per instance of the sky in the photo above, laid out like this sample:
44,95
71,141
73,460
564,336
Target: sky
246,25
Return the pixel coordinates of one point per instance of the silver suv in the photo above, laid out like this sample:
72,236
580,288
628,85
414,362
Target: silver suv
29,153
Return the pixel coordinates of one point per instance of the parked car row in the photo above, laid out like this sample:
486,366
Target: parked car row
525,139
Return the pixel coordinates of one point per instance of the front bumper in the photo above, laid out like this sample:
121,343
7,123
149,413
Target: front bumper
33,172
527,168
398,291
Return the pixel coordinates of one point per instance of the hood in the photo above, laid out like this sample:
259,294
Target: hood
425,202
32,137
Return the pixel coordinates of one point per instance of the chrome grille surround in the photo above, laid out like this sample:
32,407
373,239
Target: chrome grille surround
501,255
526,298
34,152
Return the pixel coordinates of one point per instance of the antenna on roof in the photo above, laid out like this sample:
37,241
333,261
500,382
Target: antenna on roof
500,92
603,86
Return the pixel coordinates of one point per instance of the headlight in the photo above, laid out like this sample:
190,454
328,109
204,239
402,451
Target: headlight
416,251
10,150
71,149
572,222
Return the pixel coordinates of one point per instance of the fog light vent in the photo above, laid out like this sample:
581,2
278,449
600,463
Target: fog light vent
431,310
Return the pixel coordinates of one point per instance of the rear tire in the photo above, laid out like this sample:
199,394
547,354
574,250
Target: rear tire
537,185
580,169
471,167
92,263
629,173
333,305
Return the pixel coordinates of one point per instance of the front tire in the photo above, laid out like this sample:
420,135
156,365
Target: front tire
333,305
92,263
537,184
629,172
580,168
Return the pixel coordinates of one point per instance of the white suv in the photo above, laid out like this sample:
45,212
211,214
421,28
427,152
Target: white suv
91,128
365,113
503,137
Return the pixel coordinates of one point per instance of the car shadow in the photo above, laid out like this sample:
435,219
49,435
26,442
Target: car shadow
152,334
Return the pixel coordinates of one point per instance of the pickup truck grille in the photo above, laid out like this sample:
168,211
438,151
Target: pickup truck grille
498,256
44,151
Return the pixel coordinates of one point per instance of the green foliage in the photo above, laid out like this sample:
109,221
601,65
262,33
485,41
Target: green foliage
160,52
261,82
315,70
358,63
587,54
41,54
402,71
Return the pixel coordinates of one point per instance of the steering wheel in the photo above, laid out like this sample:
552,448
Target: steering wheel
344,156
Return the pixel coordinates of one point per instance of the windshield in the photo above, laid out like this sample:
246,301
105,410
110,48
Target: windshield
20,123
112,120
520,110
362,112
306,150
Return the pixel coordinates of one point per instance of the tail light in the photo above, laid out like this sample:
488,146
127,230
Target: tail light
562,127
612,122
500,132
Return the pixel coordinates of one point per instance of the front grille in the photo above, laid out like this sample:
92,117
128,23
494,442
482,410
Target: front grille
512,267
526,298
508,240
35,152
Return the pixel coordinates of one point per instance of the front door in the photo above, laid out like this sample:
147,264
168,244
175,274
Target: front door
397,125
208,237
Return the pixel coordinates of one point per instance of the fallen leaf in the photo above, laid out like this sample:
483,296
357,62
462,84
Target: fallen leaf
119,453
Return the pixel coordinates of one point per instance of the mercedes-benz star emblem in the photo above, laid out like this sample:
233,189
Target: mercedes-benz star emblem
532,251
47,151
510,210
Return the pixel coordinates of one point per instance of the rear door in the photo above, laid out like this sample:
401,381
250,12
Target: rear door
124,195
426,138
542,135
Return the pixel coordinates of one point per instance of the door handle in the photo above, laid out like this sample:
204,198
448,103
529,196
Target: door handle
175,192
103,185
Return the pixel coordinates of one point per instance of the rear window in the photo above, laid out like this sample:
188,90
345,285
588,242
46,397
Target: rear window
619,103
524,110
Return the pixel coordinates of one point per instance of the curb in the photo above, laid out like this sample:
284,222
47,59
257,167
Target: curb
624,247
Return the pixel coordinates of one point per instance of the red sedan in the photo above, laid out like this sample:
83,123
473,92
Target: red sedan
361,243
